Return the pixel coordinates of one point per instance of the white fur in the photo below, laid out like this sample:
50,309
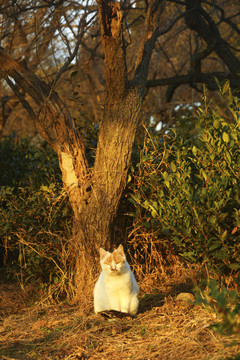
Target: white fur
116,289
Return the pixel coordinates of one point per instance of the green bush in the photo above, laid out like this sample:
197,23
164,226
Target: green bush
24,165
225,304
187,190
35,215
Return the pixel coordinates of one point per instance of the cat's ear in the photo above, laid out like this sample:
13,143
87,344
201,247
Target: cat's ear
120,250
102,253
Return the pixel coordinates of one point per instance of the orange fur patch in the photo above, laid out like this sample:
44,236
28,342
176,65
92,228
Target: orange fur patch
114,257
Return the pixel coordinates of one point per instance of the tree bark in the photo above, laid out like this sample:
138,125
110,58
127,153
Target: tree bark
116,137
94,225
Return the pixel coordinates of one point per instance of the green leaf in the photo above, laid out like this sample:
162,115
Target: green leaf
228,157
194,150
173,167
203,174
190,255
136,198
153,208
225,87
215,245
164,175
225,137
224,235
166,182
44,188
146,204
234,266
216,123
129,178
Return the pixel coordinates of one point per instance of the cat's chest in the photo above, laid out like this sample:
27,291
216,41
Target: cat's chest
118,283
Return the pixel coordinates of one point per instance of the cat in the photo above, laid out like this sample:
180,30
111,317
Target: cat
116,287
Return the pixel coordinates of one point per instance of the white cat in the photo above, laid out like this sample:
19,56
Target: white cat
116,287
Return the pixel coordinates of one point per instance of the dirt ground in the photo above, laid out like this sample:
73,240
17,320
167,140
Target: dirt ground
166,329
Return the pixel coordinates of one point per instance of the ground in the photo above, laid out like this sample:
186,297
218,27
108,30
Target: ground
33,328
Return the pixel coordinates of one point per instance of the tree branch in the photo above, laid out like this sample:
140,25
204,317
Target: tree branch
203,24
53,120
111,19
204,78
147,44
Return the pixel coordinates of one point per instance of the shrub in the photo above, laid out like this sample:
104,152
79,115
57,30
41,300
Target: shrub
186,189
35,216
23,165
225,304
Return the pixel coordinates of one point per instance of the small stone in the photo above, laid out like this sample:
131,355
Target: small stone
186,297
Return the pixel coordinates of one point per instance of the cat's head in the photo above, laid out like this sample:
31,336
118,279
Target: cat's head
113,263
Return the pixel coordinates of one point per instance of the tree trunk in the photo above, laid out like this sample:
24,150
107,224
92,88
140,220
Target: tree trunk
98,208
94,193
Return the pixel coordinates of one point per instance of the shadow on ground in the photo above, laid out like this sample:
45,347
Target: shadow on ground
149,301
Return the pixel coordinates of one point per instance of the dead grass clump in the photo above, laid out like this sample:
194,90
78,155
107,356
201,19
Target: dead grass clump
157,266
13,298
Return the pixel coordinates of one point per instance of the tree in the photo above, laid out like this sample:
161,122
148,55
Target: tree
94,192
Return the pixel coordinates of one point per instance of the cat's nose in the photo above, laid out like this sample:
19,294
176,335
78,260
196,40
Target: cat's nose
113,268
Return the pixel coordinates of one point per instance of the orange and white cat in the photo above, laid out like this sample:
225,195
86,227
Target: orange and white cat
116,287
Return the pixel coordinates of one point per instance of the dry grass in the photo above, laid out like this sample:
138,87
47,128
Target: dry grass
163,329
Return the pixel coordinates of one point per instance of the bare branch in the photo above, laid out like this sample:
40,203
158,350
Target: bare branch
201,22
21,98
192,78
147,44
81,30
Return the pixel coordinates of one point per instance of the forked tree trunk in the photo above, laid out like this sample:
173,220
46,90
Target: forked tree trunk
94,193
117,132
